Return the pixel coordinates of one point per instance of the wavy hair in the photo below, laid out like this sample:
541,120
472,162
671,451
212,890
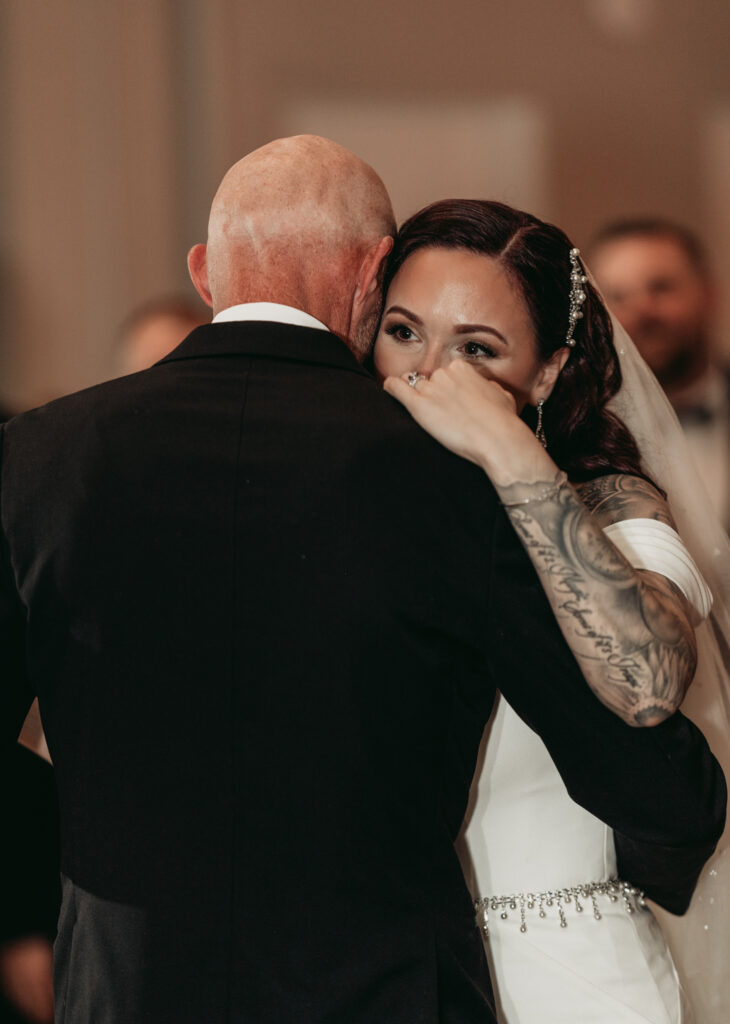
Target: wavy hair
584,437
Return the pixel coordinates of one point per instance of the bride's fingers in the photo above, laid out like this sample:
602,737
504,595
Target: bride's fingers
406,393
458,386
476,387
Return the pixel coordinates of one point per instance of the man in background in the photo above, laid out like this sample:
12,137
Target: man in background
655,277
31,892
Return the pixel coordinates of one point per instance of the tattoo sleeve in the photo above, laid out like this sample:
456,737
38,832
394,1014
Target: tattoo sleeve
627,628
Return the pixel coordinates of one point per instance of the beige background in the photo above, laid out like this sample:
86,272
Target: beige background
120,118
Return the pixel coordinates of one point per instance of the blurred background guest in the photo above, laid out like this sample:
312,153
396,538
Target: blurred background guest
154,329
654,275
31,890
30,895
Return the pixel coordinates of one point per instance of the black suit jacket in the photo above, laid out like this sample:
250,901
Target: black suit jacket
265,616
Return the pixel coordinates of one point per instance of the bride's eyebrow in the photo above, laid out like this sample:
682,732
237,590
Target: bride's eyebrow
471,328
406,313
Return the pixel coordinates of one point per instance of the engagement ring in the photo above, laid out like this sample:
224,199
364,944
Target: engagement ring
414,377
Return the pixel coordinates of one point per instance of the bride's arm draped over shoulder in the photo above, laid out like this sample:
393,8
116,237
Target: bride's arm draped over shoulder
629,629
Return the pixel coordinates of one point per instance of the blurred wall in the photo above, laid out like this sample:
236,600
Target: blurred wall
119,120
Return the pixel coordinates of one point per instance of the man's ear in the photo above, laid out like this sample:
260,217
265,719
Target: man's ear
198,270
548,375
370,275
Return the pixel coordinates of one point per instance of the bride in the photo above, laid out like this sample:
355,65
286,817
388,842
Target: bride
490,323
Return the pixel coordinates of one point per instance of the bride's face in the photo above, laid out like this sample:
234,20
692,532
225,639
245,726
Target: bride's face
446,304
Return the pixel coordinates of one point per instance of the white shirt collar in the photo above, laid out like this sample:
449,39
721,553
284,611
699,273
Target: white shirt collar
273,311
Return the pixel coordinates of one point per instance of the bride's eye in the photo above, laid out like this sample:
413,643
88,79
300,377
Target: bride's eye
400,332
475,350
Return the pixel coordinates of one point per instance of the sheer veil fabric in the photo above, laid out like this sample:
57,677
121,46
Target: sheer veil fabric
700,940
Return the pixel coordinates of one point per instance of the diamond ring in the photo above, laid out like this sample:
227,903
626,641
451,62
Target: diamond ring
413,378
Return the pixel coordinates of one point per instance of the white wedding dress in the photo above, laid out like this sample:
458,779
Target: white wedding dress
527,850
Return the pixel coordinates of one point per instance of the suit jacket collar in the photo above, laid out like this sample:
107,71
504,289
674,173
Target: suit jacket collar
267,339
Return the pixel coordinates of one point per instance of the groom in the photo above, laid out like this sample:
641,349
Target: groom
265,616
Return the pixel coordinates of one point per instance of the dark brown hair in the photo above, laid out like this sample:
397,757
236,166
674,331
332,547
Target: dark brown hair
584,437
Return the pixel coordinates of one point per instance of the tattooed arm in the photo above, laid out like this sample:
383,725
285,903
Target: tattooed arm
628,628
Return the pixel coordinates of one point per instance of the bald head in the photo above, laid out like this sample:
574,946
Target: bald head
299,221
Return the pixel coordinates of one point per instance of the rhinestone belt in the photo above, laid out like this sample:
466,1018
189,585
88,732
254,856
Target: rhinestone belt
613,890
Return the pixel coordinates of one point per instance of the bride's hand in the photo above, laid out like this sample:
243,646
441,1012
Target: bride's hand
475,418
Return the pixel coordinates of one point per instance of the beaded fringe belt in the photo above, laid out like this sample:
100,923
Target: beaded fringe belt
614,890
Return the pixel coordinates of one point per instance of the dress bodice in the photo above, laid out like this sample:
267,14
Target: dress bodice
522,831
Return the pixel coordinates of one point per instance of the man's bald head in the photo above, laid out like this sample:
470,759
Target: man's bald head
294,222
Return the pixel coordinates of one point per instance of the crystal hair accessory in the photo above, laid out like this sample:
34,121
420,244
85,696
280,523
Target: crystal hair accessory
577,295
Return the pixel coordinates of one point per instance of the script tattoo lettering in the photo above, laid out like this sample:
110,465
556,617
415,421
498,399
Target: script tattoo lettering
628,628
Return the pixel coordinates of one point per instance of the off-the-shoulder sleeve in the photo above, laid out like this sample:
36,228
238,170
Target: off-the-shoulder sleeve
652,545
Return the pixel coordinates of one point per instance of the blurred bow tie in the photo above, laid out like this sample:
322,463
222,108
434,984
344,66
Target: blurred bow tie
696,415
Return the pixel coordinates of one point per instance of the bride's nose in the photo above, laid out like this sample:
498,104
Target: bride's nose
429,363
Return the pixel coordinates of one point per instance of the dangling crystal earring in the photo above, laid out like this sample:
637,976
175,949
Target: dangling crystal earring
539,429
